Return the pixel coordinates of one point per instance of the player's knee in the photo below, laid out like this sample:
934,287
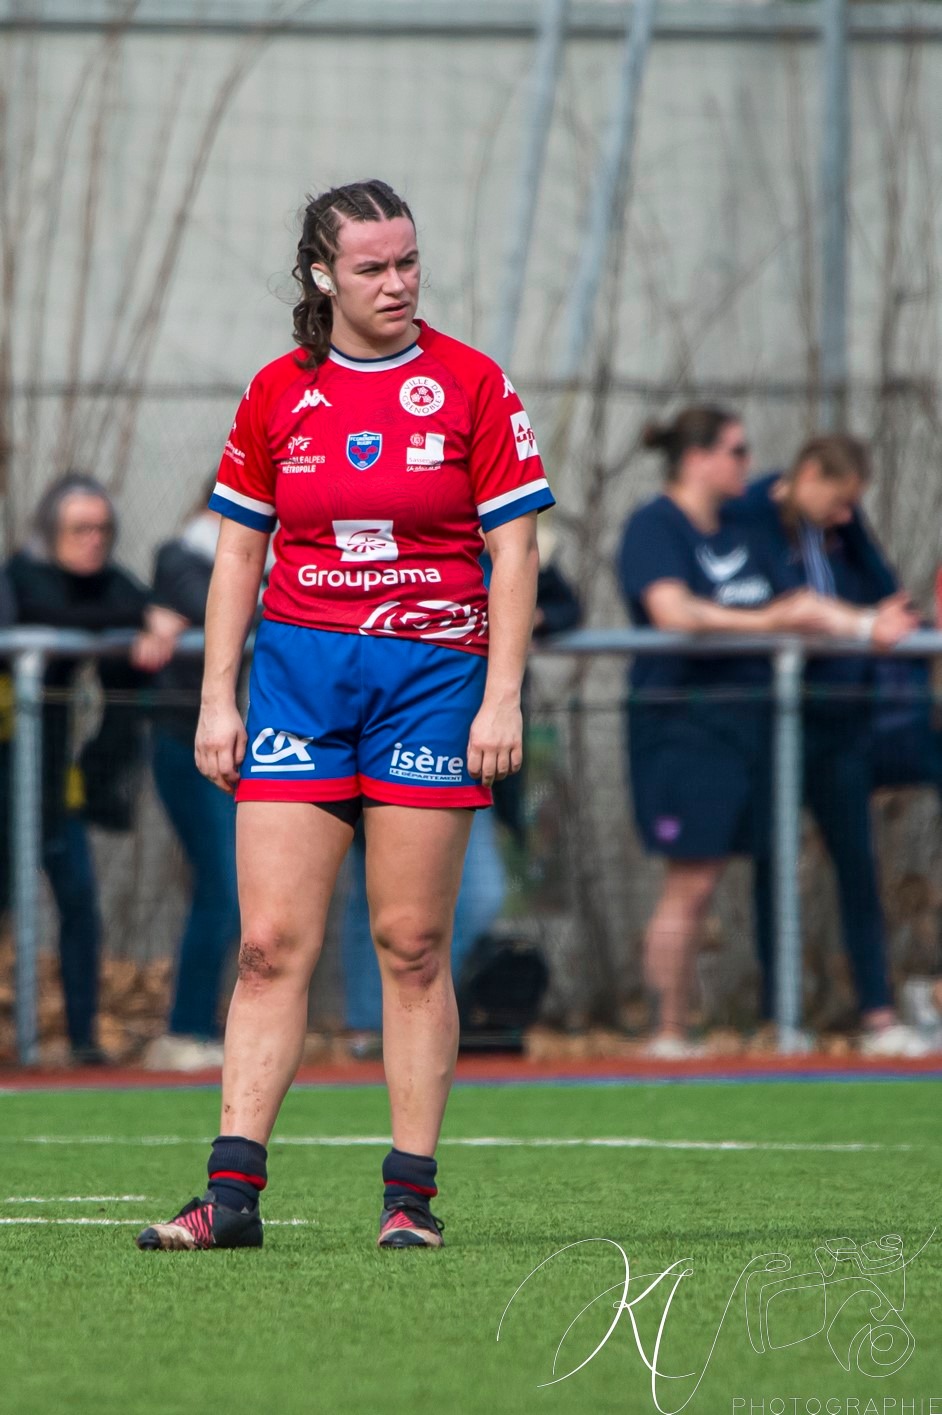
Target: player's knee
413,954
264,955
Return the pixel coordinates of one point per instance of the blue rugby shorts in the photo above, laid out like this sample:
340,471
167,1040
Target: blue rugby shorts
335,716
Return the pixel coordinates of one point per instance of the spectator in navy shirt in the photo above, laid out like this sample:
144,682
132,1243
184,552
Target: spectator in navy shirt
699,746
808,519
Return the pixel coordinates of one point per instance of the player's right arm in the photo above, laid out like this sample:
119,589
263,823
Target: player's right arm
230,609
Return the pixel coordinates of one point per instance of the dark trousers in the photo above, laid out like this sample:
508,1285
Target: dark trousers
204,819
838,782
67,861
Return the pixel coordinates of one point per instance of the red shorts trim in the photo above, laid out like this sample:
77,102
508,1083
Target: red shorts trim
435,796
342,788
349,788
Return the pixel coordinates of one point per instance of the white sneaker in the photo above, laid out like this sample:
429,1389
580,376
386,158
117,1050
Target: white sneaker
674,1049
917,1004
172,1053
895,1040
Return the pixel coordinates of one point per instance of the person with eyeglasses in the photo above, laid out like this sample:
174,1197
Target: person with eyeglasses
699,744
65,577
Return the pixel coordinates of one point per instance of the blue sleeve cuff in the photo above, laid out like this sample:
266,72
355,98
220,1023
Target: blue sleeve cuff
253,519
537,501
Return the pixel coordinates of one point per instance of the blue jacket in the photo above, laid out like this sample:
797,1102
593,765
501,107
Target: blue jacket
862,576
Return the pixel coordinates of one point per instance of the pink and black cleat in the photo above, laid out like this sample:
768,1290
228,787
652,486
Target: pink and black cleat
203,1223
409,1223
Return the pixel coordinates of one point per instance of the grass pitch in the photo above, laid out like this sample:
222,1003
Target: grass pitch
321,1321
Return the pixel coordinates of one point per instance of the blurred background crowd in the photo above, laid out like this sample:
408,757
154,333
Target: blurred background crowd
722,210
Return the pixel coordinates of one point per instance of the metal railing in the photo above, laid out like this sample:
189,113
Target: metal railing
28,651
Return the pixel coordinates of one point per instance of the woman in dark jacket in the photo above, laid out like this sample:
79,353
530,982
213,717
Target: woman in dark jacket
808,520
65,579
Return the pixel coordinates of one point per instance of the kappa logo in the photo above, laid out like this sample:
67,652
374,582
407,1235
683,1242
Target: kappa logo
508,387
524,436
366,540
426,453
422,396
313,398
720,568
281,751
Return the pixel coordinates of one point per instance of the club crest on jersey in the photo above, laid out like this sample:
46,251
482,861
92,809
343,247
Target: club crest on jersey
363,449
421,396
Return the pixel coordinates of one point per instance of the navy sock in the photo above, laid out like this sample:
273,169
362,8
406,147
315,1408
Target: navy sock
237,1171
409,1176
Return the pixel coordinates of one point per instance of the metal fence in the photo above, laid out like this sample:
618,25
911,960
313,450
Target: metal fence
30,650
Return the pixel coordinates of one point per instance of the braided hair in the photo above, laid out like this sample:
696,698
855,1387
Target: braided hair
319,244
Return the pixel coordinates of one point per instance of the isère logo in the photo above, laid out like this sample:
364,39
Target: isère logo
425,765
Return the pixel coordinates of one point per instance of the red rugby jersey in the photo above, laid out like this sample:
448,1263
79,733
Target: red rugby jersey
380,474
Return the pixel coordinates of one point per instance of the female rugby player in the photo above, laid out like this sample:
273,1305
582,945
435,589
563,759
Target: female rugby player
384,677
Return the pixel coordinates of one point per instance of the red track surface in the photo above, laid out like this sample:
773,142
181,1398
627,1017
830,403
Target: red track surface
505,1069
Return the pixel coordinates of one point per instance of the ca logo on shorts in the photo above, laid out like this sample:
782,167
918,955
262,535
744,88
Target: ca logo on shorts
281,751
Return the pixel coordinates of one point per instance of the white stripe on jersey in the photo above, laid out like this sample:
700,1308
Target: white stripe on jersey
247,502
496,502
375,365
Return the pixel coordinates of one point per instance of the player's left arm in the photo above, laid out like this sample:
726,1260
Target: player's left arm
495,745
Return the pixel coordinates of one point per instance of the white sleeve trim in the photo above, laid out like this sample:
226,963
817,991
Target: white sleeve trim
496,502
249,503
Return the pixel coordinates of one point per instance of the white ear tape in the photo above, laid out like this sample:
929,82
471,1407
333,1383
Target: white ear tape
323,281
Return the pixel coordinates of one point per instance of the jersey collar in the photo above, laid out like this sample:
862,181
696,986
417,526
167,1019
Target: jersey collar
405,356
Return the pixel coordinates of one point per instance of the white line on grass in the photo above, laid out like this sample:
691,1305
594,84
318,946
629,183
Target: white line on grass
612,1142
81,1199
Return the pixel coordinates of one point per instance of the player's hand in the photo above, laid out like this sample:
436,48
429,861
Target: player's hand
495,744
220,744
